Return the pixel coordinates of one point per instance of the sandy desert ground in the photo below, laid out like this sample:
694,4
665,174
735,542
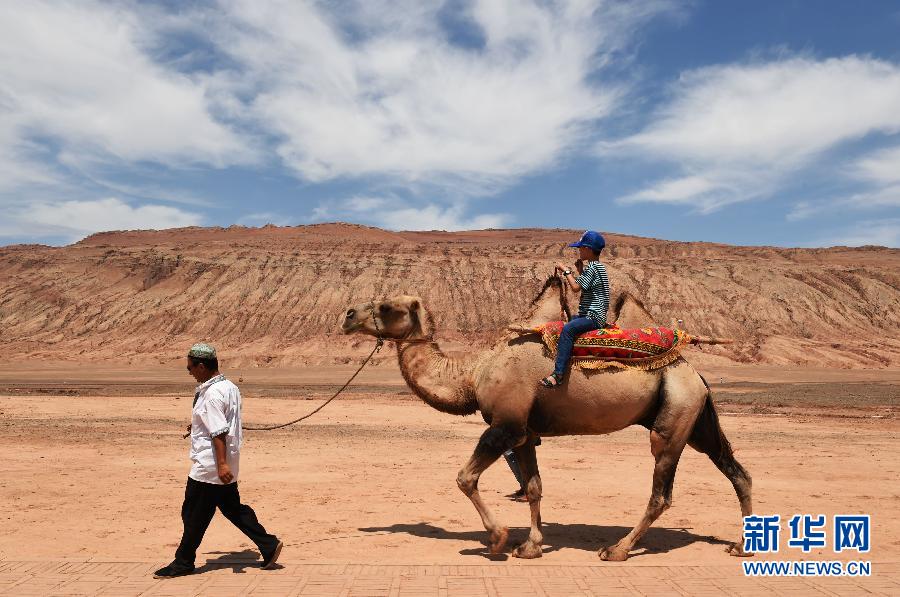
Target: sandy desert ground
94,398
94,468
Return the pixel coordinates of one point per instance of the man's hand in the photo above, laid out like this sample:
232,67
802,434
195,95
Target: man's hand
560,267
225,473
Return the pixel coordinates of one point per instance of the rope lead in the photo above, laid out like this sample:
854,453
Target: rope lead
379,342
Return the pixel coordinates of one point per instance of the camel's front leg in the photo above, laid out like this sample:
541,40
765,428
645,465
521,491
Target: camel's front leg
527,459
492,444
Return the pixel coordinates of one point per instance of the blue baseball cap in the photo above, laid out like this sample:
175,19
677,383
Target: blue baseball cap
591,239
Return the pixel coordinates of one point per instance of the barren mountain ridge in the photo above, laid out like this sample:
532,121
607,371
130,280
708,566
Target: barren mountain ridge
275,295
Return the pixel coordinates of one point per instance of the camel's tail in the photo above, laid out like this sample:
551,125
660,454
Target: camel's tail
707,436
708,340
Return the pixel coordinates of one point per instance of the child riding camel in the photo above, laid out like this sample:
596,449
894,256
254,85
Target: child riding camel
593,284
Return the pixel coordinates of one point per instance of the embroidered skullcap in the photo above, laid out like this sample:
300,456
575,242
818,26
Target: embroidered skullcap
202,350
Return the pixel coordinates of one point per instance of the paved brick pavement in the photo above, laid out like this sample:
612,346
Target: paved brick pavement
512,579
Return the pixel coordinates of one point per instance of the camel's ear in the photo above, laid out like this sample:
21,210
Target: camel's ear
422,317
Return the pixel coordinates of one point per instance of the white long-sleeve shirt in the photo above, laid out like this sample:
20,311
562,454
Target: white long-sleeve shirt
217,411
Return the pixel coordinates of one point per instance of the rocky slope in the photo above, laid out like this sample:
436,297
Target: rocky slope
274,296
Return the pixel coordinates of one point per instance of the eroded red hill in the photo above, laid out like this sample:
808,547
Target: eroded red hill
275,295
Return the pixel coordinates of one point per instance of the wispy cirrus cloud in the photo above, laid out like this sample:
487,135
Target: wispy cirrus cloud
264,219
870,200
450,100
73,220
879,167
878,173
372,89
81,94
745,129
395,213
884,232
80,74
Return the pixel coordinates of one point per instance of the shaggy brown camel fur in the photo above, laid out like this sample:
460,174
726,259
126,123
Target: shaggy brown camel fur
674,403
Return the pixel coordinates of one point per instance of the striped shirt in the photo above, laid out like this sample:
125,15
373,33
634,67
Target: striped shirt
594,292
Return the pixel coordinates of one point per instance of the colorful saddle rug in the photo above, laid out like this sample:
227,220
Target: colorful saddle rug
614,347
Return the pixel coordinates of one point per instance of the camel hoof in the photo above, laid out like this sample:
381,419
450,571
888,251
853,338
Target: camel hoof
498,540
737,550
612,554
528,551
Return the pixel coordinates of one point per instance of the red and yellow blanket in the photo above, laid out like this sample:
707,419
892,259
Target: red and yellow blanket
642,348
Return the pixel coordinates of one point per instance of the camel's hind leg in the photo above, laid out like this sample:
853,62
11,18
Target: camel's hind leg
708,438
667,451
527,459
493,443
682,396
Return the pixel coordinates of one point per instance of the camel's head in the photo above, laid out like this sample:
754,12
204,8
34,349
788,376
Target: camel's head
398,318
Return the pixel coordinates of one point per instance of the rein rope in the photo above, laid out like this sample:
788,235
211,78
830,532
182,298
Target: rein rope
379,342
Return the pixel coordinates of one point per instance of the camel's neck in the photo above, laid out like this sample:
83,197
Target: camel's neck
442,382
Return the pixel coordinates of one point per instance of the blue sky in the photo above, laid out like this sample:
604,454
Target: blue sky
752,123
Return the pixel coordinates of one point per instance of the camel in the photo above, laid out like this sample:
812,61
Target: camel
673,402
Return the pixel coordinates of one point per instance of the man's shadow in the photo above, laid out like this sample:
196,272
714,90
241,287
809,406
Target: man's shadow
586,537
237,561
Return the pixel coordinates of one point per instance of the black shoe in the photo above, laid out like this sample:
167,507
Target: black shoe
173,570
554,380
269,560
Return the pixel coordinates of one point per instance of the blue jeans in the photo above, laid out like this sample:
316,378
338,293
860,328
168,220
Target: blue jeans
577,326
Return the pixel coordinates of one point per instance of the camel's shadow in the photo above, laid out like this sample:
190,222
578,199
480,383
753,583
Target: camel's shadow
557,536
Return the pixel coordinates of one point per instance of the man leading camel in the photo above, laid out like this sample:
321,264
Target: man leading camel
593,284
216,439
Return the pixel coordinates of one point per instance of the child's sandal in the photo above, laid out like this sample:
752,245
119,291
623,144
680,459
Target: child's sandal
551,381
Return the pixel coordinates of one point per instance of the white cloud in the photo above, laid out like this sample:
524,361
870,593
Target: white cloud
80,75
434,217
358,90
394,213
880,166
748,127
706,193
82,95
884,233
76,219
803,210
264,218
879,171
364,204
774,112
19,159
886,197
105,95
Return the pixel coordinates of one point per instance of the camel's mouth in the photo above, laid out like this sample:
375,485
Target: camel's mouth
354,321
350,327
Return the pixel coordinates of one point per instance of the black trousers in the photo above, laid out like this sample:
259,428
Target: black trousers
200,503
